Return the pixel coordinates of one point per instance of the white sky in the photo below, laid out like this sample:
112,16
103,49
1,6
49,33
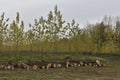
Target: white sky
80,10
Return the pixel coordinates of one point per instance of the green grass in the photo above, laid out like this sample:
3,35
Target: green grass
110,72
81,73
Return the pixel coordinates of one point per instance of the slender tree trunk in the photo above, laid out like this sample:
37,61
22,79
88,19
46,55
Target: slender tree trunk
0,47
70,46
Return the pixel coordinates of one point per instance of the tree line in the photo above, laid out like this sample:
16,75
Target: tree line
56,35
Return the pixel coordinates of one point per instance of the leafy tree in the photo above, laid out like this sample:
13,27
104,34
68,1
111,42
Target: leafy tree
16,31
117,33
73,31
29,39
54,27
98,35
39,30
3,29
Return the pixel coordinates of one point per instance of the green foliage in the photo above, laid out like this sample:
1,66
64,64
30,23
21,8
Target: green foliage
53,34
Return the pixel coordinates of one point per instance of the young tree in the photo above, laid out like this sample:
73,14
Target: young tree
3,29
29,39
73,31
39,30
16,31
54,27
117,33
98,35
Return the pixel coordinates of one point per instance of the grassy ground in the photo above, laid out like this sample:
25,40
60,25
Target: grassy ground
110,72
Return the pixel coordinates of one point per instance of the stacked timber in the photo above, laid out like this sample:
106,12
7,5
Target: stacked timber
35,65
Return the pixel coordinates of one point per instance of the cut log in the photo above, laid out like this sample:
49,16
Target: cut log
90,64
25,66
19,65
8,67
34,67
42,67
12,68
75,64
71,65
49,65
5,67
59,65
67,65
78,65
54,65
2,66
81,63
85,64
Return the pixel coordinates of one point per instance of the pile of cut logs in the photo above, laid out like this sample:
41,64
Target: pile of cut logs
35,65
